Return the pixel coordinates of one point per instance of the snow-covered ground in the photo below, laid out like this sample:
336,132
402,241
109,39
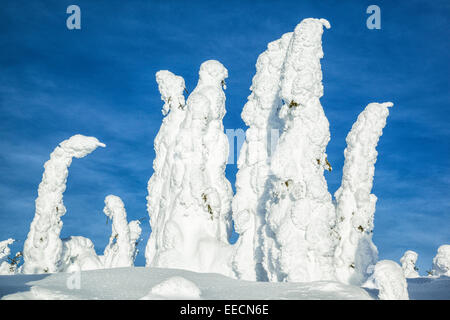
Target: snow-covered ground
140,282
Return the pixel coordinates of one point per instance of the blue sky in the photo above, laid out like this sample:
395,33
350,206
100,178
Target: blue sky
99,81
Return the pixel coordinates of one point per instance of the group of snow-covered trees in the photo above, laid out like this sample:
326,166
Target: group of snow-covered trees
290,227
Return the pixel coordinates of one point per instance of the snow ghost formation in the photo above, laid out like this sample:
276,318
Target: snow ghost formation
441,262
43,248
289,228
408,261
259,114
390,281
355,204
78,254
298,245
190,211
5,266
171,88
121,249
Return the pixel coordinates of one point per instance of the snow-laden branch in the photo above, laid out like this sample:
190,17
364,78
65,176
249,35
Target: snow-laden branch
408,261
192,224
355,204
121,249
300,215
260,114
43,247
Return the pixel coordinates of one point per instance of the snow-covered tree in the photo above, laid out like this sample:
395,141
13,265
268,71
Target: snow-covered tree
43,247
355,204
171,88
191,227
408,261
78,254
260,114
298,245
441,262
7,266
390,281
121,249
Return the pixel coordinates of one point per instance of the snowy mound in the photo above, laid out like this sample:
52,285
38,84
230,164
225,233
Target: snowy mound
136,283
175,288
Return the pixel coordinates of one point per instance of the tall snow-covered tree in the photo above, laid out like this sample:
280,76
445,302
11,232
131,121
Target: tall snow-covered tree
191,228
355,207
121,249
260,114
43,247
298,245
408,261
171,88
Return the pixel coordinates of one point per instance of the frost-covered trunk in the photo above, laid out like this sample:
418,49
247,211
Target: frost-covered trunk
298,245
260,113
441,262
355,207
121,249
408,262
43,247
171,88
191,228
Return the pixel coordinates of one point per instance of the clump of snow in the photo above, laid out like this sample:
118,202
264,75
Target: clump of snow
355,204
121,249
390,281
189,196
43,247
298,243
260,114
175,288
408,261
441,262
